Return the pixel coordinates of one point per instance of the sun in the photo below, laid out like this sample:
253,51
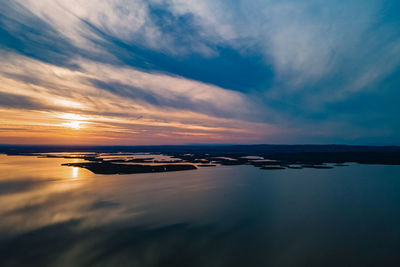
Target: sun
74,125
72,117
74,121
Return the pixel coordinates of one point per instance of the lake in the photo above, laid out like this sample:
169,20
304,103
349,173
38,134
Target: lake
53,215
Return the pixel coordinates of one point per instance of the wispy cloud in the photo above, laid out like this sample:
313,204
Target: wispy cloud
139,104
202,70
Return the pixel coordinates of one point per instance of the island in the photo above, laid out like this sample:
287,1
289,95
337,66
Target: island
116,168
147,159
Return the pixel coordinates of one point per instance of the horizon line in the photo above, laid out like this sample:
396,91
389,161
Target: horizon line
174,145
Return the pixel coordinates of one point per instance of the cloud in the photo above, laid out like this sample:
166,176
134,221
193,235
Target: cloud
286,65
62,85
19,102
153,24
304,42
130,104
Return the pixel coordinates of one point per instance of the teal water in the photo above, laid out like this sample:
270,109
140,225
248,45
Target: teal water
52,215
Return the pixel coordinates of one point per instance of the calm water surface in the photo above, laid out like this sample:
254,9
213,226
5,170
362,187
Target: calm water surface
52,215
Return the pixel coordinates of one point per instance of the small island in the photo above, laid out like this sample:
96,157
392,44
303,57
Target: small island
115,168
148,159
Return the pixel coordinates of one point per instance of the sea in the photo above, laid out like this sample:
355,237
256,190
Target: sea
54,215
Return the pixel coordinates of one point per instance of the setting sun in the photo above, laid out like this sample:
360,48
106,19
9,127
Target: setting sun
74,125
71,116
74,121
199,133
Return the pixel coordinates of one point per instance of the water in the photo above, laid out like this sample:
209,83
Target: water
52,215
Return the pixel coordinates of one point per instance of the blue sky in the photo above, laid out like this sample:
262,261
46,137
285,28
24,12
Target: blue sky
155,72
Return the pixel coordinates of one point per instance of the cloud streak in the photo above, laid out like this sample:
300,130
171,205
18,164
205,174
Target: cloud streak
209,71
141,106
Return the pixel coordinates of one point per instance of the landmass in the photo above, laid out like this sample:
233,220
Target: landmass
113,168
126,159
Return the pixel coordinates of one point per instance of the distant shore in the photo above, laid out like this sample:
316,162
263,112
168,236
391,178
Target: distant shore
266,157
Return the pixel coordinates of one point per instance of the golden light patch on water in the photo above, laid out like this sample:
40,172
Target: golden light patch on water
75,172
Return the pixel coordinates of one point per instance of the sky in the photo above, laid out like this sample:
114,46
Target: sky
151,72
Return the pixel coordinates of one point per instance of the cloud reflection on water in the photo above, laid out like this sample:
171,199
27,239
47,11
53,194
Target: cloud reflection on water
222,216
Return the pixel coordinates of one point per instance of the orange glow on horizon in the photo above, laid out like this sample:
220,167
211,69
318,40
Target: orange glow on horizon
72,112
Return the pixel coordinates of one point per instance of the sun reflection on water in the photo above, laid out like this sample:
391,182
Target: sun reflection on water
75,172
